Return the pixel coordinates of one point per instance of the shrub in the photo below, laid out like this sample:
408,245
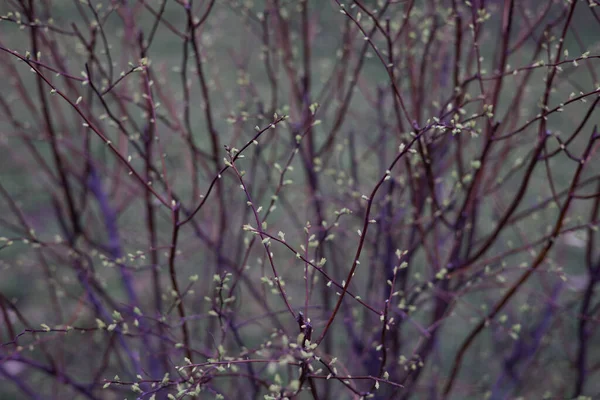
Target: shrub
299,199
